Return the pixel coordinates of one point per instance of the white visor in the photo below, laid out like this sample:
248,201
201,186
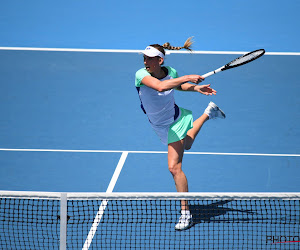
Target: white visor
153,52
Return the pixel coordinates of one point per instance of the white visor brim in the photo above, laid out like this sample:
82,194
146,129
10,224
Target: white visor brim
153,52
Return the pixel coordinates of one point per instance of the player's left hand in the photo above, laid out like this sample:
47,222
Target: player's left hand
205,89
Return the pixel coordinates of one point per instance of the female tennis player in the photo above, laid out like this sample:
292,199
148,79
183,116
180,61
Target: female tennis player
173,125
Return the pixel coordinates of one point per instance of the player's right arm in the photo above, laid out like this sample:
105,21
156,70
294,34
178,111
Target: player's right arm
165,85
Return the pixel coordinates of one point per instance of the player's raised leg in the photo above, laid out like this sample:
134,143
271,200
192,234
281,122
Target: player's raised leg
211,112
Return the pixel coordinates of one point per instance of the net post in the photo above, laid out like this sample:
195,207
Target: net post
63,221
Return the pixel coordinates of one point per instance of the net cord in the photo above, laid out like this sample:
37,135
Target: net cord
186,196
153,195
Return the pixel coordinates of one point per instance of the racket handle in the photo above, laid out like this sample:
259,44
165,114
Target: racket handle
208,74
213,72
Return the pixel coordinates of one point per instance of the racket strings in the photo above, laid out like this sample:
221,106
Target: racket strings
246,58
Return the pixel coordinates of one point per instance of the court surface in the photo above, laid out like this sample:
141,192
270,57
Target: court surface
71,122
67,117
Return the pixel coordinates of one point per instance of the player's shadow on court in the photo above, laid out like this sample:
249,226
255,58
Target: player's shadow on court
216,212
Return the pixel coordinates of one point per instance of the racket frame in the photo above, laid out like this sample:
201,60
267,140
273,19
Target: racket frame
227,66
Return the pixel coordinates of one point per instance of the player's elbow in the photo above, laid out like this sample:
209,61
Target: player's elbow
161,89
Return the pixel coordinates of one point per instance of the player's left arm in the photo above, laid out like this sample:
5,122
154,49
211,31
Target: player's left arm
186,87
203,89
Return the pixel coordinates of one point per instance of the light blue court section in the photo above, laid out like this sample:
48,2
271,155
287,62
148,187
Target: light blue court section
77,100
216,25
260,100
67,100
82,100
56,172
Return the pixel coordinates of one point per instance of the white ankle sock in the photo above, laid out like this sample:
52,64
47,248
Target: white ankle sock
186,213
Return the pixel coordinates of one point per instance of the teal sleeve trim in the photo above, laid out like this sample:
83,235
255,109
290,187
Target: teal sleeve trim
139,75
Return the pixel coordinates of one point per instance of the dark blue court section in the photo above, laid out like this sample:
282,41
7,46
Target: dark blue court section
76,100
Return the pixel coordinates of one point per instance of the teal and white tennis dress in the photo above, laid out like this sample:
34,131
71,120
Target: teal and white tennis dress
170,122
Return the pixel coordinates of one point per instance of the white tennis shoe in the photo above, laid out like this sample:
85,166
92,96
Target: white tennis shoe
185,222
213,111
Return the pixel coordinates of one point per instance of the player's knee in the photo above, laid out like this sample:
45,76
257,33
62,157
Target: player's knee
174,168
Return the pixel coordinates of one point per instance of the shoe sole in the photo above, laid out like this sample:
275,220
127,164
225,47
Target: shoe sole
185,228
215,106
223,114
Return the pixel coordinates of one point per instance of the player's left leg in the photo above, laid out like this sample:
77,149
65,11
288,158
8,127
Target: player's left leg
175,155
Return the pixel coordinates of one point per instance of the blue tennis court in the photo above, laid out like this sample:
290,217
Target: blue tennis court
64,102
81,167
71,122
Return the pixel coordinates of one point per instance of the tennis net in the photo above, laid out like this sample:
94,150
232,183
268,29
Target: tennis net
31,220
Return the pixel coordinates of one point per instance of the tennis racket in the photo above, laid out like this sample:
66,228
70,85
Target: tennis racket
249,57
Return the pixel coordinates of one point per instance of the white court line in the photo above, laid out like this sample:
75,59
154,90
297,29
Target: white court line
143,152
103,205
139,51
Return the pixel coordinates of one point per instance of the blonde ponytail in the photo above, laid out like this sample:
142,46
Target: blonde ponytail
187,45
